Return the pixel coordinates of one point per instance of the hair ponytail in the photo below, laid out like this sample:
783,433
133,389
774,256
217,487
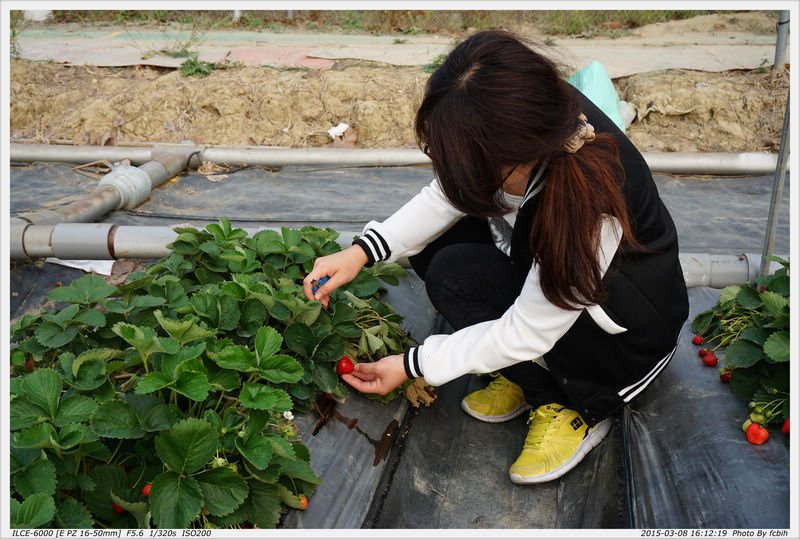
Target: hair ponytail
581,189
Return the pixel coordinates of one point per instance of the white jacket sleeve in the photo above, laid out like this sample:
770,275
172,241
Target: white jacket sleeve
406,232
526,331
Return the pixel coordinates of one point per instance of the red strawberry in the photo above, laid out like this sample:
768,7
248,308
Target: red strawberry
344,366
756,434
117,508
697,339
29,364
703,352
303,502
725,375
710,359
785,427
146,489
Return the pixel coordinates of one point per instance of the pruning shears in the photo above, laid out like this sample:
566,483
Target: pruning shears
315,284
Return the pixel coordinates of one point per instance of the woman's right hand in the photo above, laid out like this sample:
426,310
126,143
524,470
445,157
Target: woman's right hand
341,267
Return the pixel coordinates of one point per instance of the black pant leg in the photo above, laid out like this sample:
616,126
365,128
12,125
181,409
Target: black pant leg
473,282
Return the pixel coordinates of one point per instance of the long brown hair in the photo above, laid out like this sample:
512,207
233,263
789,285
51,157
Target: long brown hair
496,102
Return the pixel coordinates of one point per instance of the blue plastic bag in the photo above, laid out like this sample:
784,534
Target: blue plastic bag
593,81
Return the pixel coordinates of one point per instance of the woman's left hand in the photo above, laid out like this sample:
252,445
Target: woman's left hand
380,377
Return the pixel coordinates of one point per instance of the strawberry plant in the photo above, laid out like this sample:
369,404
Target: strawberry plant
748,329
167,401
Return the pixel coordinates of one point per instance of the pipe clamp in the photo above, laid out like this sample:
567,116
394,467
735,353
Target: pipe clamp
132,183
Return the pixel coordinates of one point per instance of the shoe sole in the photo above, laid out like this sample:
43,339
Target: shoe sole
590,442
495,418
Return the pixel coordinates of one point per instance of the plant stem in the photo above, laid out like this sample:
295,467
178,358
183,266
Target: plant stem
219,400
114,454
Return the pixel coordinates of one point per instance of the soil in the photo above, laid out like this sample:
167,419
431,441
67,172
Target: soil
677,110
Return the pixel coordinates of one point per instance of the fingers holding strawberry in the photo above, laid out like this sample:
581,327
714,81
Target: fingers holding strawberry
380,377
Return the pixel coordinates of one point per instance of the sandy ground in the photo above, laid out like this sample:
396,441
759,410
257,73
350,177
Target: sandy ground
677,109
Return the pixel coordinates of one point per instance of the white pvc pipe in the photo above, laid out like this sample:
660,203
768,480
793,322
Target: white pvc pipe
105,241
124,186
750,163
724,164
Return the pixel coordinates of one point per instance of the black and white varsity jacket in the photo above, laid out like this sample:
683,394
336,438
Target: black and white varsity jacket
646,306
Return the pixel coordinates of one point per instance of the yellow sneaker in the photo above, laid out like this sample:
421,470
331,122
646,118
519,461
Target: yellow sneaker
500,401
557,441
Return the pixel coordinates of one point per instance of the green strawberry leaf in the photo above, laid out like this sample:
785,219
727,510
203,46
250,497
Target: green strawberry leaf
116,419
108,478
776,347
52,335
262,397
63,317
267,242
152,414
39,436
744,382
187,446
223,380
91,317
325,378
175,500
183,331
173,364
38,477
254,314
143,339
298,469
75,409
236,358
268,342
749,298
300,339
25,414
264,505
281,447
139,510
72,514
229,313
281,369
85,290
91,371
193,385
36,511
233,289
774,303
103,355
43,388
153,382
742,354
331,348
73,434
729,293
256,449
269,475
134,304
223,490
755,335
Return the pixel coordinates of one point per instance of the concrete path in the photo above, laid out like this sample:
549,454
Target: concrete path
647,49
